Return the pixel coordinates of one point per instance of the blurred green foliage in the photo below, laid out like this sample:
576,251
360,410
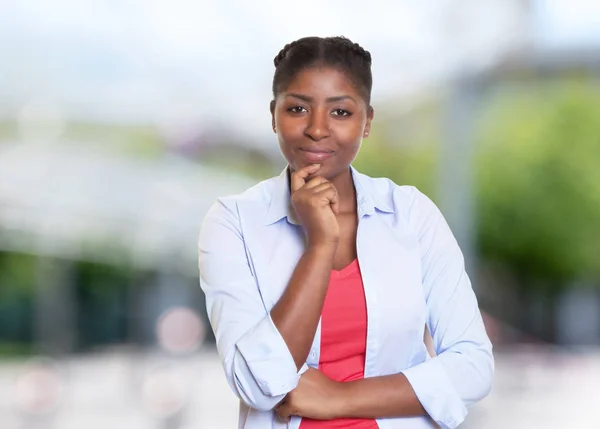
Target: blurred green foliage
8,131
394,151
17,279
102,303
538,182
139,141
135,140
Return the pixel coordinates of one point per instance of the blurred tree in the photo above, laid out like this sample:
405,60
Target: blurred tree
17,277
406,158
102,293
538,184
538,173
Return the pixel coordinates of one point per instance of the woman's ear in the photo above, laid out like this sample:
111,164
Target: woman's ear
370,115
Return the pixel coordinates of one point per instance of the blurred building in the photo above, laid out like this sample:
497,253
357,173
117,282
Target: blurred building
136,222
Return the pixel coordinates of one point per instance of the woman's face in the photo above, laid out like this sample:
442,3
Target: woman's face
320,118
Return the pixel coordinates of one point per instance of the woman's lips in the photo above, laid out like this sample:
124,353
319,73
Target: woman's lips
315,155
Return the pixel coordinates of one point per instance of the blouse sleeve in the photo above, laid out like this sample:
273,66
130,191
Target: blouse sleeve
461,374
258,365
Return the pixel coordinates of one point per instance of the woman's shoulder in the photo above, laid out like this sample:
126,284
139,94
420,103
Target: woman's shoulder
388,186
258,193
400,198
254,200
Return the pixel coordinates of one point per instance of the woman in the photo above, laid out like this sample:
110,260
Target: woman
319,282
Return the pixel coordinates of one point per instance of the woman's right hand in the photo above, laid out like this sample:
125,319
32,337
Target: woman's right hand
316,203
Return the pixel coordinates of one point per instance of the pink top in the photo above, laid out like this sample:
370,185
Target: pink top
343,339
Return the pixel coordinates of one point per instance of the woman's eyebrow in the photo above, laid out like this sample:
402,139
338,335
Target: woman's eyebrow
329,99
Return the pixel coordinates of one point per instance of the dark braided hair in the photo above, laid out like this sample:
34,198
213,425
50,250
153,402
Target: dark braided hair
337,52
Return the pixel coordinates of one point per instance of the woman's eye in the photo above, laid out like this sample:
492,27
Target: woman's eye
341,112
297,109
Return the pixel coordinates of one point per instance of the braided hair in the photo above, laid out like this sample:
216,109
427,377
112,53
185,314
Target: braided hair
337,52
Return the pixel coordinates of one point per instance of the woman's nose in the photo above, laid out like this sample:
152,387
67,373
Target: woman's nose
318,125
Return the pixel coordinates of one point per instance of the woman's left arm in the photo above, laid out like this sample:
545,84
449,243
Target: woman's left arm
462,372
444,386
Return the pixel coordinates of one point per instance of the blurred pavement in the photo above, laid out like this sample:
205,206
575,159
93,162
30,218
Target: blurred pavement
534,388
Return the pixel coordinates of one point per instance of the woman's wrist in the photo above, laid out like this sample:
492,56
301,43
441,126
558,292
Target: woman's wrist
340,400
322,248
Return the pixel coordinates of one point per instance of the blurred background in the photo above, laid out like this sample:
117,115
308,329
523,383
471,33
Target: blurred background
122,121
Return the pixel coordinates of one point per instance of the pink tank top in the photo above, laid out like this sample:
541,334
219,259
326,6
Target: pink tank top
343,339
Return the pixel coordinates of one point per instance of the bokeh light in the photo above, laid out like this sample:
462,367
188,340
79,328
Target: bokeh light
180,330
39,389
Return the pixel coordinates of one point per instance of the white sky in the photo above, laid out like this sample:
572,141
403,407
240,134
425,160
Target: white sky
139,59
568,23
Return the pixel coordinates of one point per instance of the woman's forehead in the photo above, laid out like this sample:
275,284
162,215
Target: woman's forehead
322,80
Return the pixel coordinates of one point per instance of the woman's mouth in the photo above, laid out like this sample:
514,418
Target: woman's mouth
315,155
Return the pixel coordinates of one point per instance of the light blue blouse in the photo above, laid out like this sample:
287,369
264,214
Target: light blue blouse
413,273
